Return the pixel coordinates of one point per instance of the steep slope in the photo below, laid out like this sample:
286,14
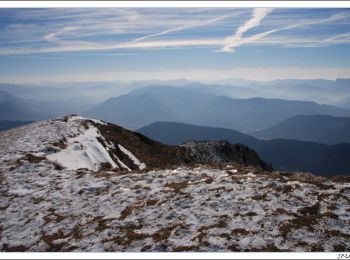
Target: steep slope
8,124
314,128
291,155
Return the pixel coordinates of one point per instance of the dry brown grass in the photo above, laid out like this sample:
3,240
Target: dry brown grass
234,248
185,248
57,166
260,197
126,212
127,235
164,233
8,248
53,216
208,180
251,214
222,223
312,210
240,231
268,248
130,209
2,178
62,143
307,218
177,186
339,248
105,166
340,179
101,223
280,211
297,223
336,233
37,200
50,240
331,215
316,248
151,202
33,158
146,248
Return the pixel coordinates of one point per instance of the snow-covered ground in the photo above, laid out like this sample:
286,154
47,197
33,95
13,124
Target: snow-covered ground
44,207
195,209
72,143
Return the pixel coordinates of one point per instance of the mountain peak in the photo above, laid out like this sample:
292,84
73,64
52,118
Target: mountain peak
74,142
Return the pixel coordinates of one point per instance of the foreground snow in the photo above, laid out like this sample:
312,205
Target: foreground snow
195,209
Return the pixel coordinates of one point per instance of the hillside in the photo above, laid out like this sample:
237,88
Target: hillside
77,184
314,128
283,154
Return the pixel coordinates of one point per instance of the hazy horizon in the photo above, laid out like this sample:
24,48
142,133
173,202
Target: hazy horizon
48,83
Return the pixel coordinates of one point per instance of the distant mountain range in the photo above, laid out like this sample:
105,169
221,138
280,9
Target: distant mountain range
283,154
229,103
193,103
195,106
344,103
15,109
315,128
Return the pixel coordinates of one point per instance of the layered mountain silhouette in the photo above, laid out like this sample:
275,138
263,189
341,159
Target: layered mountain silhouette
14,108
344,103
49,101
283,154
314,128
189,105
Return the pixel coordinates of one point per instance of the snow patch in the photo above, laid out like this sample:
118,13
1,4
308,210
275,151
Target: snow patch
83,151
76,118
132,157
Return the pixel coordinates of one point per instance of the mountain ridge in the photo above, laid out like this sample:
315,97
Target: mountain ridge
283,154
314,128
201,108
74,142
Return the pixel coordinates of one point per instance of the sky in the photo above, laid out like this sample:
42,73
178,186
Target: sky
104,44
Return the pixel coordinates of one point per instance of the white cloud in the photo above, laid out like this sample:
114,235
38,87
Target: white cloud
236,40
53,36
68,29
337,39
187,26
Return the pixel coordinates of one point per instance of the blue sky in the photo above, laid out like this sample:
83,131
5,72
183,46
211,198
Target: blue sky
80,44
